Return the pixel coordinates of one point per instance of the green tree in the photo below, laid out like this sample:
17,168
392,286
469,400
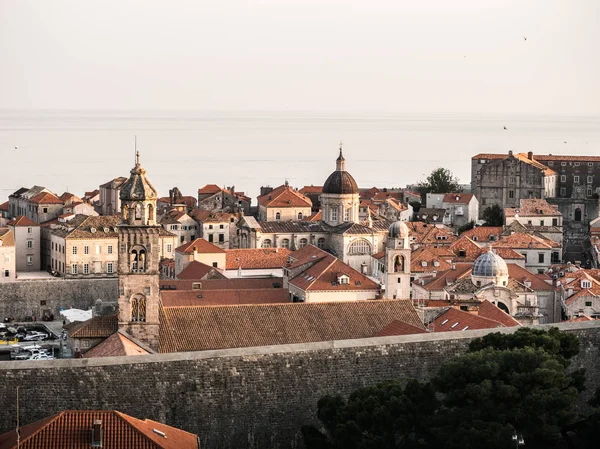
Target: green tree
386,415
441,180
493,216
466,227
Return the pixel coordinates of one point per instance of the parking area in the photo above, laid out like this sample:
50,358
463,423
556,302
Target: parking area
30,341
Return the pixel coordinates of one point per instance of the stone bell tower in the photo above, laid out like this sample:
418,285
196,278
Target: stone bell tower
139,258
397,262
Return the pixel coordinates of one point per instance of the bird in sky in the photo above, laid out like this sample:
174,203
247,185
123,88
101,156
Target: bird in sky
16,147
505,127
524,38
565,141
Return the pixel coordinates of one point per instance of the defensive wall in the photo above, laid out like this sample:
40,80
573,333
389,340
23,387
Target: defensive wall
22,299
241,398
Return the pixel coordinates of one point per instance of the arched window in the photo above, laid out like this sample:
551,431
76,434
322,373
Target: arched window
138,308
399,264
266,243
285,243
302,243
150,212
138,211
138,260
278,216
360,246
321,243
299,215
125,212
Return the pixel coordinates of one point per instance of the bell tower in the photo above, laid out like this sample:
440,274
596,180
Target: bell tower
397,262
139,258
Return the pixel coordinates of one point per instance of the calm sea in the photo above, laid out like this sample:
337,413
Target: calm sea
79,150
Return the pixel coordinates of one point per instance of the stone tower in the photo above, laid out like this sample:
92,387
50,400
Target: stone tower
139,258
397,262
340,199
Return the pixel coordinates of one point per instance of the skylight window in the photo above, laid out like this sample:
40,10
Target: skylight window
443,322
454,325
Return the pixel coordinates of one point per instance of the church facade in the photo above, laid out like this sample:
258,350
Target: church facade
339,229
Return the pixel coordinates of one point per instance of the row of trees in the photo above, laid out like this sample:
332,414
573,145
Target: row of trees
508,388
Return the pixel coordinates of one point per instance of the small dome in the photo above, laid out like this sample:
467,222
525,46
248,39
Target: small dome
489,264
340,181
137,187
398,230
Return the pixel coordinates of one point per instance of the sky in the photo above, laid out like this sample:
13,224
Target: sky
459,56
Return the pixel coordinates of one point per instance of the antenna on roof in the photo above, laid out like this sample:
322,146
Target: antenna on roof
137,153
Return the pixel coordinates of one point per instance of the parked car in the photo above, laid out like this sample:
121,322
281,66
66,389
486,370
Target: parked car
35,336
42,357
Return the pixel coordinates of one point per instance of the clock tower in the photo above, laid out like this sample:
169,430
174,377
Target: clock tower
139,258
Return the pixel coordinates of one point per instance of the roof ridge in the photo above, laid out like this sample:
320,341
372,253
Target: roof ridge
127,419
53,419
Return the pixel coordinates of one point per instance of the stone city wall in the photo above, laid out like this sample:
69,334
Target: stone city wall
22,299
240,398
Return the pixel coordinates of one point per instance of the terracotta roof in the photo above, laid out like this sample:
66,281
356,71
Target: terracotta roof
323,276
4,206
22,221
284,196
73,429
199,298
293,227
200,245
311,189
7,237
492,312
220,327
208,216
470,249
45,198
362,228
118,344
445,278
89,227
490,156
115,183
459,320
70,197
580,318
196,270
585,292
484,233
532,208
520,240
209,189
380,197
433,260
317,216
396,204
524,158
308,254
224,284
378,255
100,326
428,234
566,158
400,328
256,258
458,198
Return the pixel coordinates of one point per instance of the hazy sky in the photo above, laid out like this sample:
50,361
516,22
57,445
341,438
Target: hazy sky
320,55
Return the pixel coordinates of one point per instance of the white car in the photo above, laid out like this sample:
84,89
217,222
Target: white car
42,357
35,336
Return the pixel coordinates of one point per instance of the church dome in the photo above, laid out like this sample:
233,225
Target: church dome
490,264
398,230
340,181
137,187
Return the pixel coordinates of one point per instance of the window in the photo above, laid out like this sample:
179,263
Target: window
529,222
550,163
210,226
266,243
360,246
576,164
590,179
302,243
86,268
30,244
221,238
541,258
109,249
554,257
511,194
109,267
285,243
511,180
563,164
588,303
541,222
211,238
299,215
221,226
589,191
563,178
29,260
45,210
586,284
214,264
347,215
334,214
6,273
555,222
74,268
74,250
138,308
563,191
278,216
321,243
182,239
86,249
576,179
29,230
590,164
169,247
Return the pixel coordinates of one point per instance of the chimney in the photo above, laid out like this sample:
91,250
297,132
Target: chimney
530,155
97,433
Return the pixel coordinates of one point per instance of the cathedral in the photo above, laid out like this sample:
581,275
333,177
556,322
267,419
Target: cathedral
337,227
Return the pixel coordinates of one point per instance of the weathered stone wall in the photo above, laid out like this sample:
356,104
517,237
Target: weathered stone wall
240,398
25,298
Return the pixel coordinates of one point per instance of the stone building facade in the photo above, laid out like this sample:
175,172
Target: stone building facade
27,243
8,269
